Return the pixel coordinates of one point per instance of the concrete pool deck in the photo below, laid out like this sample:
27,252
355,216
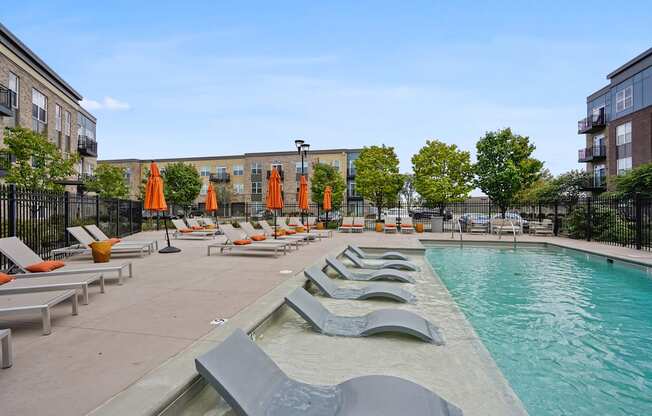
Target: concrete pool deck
166,308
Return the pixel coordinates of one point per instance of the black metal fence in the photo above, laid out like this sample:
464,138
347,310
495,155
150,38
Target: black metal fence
616,221
40,218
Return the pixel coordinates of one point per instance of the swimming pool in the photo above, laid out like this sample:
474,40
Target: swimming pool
572,333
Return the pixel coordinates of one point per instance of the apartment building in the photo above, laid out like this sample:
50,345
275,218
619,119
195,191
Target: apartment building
618,125
242,179
34,96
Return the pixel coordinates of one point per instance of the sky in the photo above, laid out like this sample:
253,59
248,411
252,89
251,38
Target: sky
195,78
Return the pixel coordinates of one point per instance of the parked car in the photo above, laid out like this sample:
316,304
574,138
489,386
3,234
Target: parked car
514,217
465,220
332,216
262,215
428,213
394,213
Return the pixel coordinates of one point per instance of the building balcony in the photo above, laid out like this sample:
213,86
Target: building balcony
350,174
220,177
280,172
591,153
594,123
595,183
86,146
6,109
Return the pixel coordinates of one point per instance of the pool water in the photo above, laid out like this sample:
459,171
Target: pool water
571,333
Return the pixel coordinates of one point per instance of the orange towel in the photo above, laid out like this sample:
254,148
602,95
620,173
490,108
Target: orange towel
45,266
258,237
6,278
242,242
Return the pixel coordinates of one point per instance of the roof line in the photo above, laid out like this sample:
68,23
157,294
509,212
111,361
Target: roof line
630,63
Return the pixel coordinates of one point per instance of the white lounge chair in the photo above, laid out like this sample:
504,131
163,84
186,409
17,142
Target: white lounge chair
406,225
358,225
232,235
22,257
310,225
85,240
40,302
269,232
390,224
346,226
500,226
251,232
182,231
543,228
7,353
308,230
281,223
99,235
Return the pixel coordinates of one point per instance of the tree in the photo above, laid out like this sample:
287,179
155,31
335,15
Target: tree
533,192
442,173
108,182
377,177
182,184
505,166
324,175
223,193
637,180
408,194
38,162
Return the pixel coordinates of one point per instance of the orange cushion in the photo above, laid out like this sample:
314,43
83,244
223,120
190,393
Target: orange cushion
290,232
293,225
357,225
346,225
279,233
113,241
185,230
258,237
197,228
300,229
242,242
209,226
390,225
45,266
406,226
5,278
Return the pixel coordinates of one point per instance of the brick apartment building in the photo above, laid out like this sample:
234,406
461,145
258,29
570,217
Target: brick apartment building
33,96
245,176
618,126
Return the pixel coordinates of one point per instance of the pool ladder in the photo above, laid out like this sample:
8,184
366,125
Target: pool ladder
459,227
500,233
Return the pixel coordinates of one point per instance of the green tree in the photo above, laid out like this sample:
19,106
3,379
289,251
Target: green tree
377,176
324,175
442,173
505,166
108,182
38,162
182,184
223,194
533,192
637,180
409,195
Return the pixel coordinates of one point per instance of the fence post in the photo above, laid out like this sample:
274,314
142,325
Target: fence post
639,220
589,221
131,218
66,215
555,226
97,210
117,217
12,211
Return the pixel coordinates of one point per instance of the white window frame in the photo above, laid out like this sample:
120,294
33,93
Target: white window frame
624,133
336,164
256,168
255,185
624,99
14,86
57,118
41,102
238,170
624,165
205,171
204,189
221,170
238,188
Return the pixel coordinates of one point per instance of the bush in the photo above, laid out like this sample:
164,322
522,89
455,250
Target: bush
607,224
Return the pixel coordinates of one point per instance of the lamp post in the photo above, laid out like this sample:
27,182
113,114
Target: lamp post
302,149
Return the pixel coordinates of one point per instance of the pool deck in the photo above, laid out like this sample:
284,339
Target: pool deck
132,329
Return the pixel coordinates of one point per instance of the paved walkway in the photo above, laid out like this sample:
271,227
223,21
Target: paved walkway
131,329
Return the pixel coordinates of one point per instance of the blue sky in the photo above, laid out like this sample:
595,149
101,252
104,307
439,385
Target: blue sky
171,79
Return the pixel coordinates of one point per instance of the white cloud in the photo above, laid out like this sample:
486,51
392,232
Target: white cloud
107,103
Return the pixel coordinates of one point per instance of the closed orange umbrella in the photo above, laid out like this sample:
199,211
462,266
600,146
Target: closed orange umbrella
211,200
303,194
274,198
328,196
155,201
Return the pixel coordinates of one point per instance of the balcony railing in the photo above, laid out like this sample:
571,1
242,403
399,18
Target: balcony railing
591,153
86,146
595,122
596,182
280,173
5,102
220,177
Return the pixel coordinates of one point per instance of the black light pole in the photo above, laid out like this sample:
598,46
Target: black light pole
302,149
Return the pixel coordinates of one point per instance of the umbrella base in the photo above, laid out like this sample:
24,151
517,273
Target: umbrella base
169,249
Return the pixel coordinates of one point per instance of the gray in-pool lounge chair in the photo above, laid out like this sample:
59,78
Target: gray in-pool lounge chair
376,322
250,231
383,274
85,240
53,283
387,255
253,385
383,264
22,257
99,235
373,290
7,353
37,302
233,235
188,233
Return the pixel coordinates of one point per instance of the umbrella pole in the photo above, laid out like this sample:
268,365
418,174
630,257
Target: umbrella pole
275,232
169,248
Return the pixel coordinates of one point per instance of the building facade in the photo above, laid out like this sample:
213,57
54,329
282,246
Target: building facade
618,124
33,96
241,180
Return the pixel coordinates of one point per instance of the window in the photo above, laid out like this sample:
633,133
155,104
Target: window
14,87
67,122
624,99
57,117
624,147
352,189
238,170
39,111
256,188
298,167
238,188
204,189
352,167
221,170
205,171
336,165
599,175
256,168
277,166
128,175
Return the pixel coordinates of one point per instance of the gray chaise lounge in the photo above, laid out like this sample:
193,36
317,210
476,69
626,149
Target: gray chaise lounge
387,255
37,302
7,354
383,264
373,290
380,321
253,385
386,274
99,235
